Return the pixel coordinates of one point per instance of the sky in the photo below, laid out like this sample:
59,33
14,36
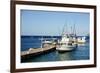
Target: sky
35,22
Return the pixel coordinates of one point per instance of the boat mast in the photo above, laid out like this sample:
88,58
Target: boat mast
74,31
65,31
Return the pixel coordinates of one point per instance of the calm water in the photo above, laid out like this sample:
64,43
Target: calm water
80,53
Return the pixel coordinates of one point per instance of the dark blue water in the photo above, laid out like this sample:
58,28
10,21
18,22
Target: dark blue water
80,53
34,41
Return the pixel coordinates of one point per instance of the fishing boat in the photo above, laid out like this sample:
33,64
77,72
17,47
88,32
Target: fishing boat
65,44
68,41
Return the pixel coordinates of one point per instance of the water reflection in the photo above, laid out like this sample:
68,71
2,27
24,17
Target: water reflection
65,56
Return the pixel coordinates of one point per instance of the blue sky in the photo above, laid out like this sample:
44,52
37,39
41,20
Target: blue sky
51,22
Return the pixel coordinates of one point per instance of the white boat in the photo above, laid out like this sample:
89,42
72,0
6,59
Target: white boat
68,41
81,40
65,44
47,43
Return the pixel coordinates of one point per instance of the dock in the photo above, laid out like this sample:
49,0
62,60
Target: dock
38,51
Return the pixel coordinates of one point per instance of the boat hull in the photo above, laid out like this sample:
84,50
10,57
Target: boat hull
65,49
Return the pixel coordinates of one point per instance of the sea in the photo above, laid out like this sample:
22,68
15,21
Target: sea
81,52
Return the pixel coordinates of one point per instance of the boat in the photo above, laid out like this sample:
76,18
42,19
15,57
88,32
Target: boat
81,40
47,43
65,44
68,41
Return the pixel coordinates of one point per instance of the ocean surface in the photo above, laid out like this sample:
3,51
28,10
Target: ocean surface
80,53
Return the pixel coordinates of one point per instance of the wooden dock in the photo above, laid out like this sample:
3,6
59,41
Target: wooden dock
38,51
